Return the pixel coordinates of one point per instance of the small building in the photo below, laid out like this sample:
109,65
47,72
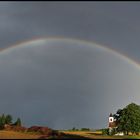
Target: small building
112,124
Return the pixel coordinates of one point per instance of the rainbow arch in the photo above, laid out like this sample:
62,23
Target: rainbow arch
45,39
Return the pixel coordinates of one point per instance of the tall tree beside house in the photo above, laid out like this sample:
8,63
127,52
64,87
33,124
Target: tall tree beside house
128,119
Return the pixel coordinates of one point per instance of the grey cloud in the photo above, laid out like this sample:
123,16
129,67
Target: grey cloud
113,24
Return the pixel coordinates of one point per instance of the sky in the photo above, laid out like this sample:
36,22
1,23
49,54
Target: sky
63,83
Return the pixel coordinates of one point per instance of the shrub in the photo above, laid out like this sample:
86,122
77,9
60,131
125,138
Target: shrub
85,129
105,131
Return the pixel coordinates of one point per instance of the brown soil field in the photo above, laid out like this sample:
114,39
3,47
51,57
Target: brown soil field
17,135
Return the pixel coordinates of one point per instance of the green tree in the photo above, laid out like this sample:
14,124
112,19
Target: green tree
1,125
8,119
18,122
105,131
73,129
128,119
2,121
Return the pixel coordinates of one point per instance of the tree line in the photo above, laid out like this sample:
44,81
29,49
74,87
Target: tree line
7,119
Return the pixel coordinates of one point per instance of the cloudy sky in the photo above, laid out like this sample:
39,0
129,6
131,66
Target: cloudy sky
63,82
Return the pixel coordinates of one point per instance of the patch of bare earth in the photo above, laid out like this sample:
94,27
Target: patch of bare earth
4,134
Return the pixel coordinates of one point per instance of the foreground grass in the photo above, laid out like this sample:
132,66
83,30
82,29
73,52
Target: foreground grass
17,135
95,135
68,134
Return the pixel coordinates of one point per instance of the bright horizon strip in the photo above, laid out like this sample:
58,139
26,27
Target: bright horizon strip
41,39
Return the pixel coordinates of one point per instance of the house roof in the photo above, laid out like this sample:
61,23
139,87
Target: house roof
110,115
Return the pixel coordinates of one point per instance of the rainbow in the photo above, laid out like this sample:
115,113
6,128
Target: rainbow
45,39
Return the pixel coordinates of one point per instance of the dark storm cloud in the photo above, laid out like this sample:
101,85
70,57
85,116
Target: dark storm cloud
25,74
115,24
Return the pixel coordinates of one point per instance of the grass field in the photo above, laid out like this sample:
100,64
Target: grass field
95,135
